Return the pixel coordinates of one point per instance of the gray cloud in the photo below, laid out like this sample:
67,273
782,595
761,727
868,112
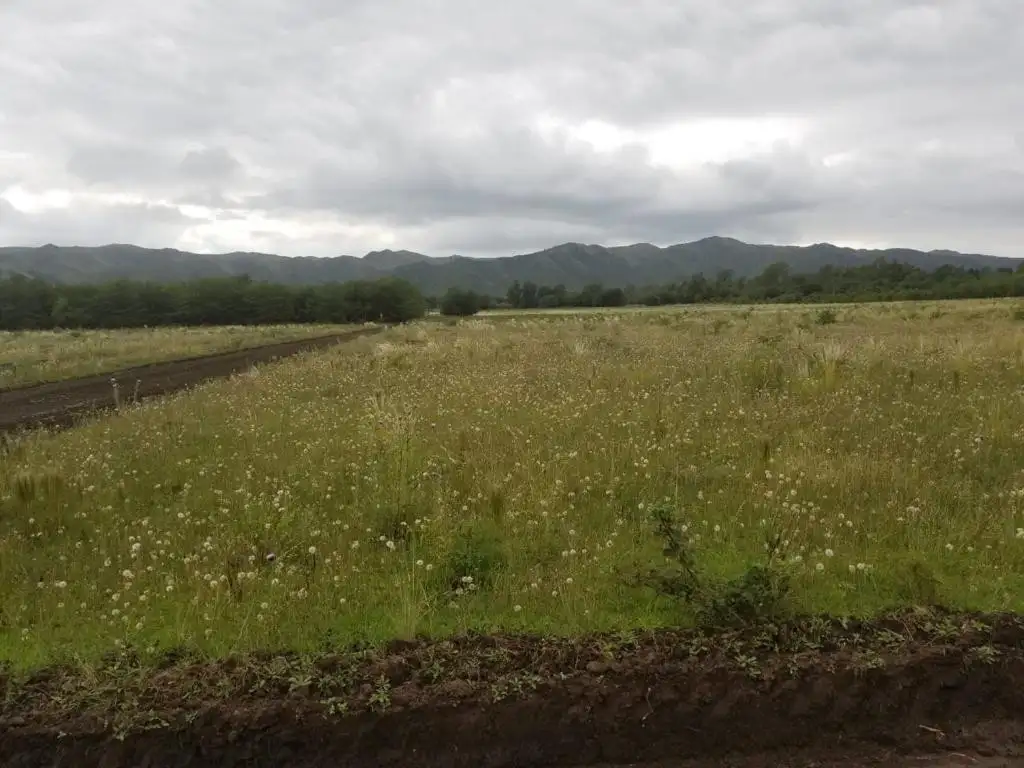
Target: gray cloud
137,166
209,164
117,165
143,224
310,127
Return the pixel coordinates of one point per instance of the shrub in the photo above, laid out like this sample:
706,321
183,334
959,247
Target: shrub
826,316
759,594
476,557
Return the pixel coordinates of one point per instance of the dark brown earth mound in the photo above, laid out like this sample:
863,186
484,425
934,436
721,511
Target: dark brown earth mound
62,403
930,689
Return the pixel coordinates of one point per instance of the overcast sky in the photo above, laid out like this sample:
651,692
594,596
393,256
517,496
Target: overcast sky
319,127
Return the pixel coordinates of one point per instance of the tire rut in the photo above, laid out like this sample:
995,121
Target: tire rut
62,404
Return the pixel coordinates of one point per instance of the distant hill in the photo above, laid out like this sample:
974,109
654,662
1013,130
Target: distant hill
388,259
574,265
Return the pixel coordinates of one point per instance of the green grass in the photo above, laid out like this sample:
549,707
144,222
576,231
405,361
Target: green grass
500,476
31,357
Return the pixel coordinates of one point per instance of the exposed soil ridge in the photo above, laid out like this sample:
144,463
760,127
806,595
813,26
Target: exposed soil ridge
816,693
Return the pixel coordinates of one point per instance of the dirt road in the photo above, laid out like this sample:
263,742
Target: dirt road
62,403
839,759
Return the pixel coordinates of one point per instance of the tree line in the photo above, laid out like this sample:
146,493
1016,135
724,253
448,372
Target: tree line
881,280
529,295
33,304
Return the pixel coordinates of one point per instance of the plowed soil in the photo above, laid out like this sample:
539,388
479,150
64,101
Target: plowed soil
925,690
62,403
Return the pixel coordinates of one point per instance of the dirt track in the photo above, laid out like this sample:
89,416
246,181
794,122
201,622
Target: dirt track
62,403
939,693
854,758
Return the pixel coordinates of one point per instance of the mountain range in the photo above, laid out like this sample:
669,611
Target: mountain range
573,265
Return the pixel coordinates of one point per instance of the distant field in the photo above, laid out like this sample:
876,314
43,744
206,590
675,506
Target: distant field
487,476
881,306
30,357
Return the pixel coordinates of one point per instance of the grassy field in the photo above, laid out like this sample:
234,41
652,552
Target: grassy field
30,357
509,476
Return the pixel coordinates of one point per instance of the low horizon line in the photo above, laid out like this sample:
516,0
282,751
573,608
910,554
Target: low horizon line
527,253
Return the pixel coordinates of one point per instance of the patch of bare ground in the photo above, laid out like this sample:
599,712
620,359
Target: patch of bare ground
929,689
849,757
62,403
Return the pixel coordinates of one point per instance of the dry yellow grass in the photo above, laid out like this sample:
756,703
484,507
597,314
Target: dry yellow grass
346,494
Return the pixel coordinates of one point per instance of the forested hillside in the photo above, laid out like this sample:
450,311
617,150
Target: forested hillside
574,265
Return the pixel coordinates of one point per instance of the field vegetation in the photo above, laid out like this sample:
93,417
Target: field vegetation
558,474
31,357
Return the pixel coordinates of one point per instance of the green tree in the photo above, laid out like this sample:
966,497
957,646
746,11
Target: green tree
515,295
530,296
460,303
395,300
33,304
